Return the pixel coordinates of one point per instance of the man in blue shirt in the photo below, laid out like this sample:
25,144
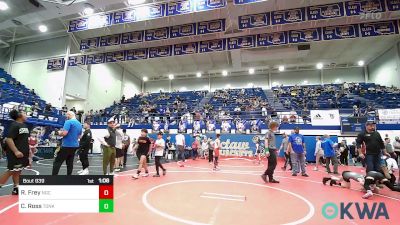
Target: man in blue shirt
330,154
297,149
70,143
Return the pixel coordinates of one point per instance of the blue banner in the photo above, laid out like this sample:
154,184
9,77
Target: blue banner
92,22
393,5
157,34
183,30
89,43
209,27
136,54
241,42
95,59
359,7
340,32
242,2
132,37
118,56
213,45
379,28
280,38
139,13
288,16
321,12
180,7
163,51
255,20
186,49
110,40
308,35
203,5
56,64
77,60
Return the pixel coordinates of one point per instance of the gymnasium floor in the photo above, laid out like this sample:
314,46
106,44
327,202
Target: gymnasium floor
194,194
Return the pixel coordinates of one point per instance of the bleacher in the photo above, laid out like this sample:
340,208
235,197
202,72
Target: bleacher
13,93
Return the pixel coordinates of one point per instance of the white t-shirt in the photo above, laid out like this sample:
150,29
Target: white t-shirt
159,150
392,165
180,139
217,143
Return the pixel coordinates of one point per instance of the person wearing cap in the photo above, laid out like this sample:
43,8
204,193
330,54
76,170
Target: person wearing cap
159,152
142,152
108,142
297,149
126,141
370,145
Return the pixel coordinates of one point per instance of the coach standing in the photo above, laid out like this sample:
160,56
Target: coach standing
71,132
297,149
373,146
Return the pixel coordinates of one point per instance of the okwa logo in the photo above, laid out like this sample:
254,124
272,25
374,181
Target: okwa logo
356,210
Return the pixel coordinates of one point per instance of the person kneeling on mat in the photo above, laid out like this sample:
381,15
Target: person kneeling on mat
270,151
367,182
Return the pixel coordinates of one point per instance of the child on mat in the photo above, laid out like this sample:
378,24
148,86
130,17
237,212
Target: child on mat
257,156
158,154
270,152
217,147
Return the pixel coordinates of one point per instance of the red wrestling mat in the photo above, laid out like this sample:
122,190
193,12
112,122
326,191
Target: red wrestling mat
194,194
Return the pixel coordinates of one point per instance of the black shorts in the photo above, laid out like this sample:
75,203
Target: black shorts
139,154
119,153
16,164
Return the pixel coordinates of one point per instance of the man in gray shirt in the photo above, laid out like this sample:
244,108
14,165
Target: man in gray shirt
270,151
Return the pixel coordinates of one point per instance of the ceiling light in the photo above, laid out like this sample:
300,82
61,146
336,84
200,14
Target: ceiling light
281,68
224,73
250,84
320,66
42,28
136,2
228,86
361,63
251,71
198,74
3,6
183,89
171,76
305,82
274,84
145,79
338,81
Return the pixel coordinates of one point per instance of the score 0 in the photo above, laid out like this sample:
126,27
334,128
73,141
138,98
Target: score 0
106,196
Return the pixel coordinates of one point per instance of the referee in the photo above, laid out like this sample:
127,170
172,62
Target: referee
71,132
370,146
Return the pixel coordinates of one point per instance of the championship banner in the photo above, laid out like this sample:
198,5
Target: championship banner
325,117
110,40
118,56
56,64
359,7
92,22
180,7
209,27
213,45
183,30
89,43
158,52
255,20
95,59
379,28
140,13
393,5
132,37
203,5
136,54
186,49
288,16
242,2
322,12
340,32
308,35
241,42
272,39
391,116
157,34
77,60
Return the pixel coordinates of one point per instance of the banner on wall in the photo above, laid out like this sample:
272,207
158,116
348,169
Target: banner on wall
180,7
213,45
288,16
272,39
393,5
157,34
132,37
255,20
321,12
300,36
242,42
77,60
340,32
183,30
360,7
379,28
325,117
389,115
56,64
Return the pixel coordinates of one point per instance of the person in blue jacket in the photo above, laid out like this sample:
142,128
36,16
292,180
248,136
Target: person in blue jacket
330,154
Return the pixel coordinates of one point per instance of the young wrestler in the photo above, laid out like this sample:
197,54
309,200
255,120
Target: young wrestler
270,149
142,152
159,152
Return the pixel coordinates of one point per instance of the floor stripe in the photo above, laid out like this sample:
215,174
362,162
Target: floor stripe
222,198
224,195
8,207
